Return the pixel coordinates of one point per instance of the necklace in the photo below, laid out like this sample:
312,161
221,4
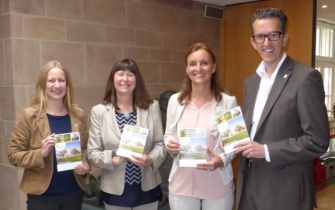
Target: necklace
127,115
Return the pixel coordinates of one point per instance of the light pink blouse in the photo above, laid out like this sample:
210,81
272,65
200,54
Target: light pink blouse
191,181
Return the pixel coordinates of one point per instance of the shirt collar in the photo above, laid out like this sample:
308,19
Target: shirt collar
261,68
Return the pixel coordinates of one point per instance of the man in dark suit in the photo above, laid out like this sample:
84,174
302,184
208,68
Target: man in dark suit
287,120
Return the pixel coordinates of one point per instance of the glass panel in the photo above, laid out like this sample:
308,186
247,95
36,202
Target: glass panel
327,86
331,40
324,58
326,42
317,43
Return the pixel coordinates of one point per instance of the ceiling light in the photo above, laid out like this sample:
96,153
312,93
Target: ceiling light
324,6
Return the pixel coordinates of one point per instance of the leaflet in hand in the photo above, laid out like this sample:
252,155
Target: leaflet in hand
192,146
68,151
132,141
232,128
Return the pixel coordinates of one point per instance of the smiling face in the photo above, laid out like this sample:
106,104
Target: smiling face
200,67
125,82
270,51
56,85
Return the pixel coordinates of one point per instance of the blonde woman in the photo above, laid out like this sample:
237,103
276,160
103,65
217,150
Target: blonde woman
33,139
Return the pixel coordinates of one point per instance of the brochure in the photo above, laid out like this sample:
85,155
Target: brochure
192,146
68,151
232,128
133,140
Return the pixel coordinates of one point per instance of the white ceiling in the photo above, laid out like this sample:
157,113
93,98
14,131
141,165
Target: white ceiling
325,14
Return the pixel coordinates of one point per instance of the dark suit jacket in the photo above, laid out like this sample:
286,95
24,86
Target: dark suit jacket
294,125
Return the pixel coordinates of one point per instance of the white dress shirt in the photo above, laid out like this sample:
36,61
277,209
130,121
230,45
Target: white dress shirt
262,96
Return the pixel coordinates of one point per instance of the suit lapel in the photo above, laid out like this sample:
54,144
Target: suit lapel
75,122
282,77
176,114
42,124
142,115
110,118
217,110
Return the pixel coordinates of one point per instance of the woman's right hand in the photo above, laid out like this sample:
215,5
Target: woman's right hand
173,147
48,144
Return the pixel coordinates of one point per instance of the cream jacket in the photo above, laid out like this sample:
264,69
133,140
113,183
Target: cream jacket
174,113
104,140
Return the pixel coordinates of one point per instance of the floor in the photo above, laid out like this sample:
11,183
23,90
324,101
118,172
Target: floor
325,195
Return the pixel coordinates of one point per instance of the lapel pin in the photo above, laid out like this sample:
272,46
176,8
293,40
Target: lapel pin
285,76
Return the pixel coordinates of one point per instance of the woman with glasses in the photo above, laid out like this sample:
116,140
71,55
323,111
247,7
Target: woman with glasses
209,185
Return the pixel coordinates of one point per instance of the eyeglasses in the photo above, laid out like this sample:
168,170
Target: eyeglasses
272,36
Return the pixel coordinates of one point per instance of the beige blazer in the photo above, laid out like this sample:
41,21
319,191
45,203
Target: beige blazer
104,140
25,148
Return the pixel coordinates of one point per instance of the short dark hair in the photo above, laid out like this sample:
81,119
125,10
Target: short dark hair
270,12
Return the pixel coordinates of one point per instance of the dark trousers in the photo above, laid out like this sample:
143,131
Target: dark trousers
247,200
71,201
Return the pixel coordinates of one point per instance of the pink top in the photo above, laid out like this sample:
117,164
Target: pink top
191,181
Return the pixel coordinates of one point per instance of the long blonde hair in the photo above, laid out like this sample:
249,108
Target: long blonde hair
39,97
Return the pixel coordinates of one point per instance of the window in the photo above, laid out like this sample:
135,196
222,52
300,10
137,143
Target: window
325,61
324,43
